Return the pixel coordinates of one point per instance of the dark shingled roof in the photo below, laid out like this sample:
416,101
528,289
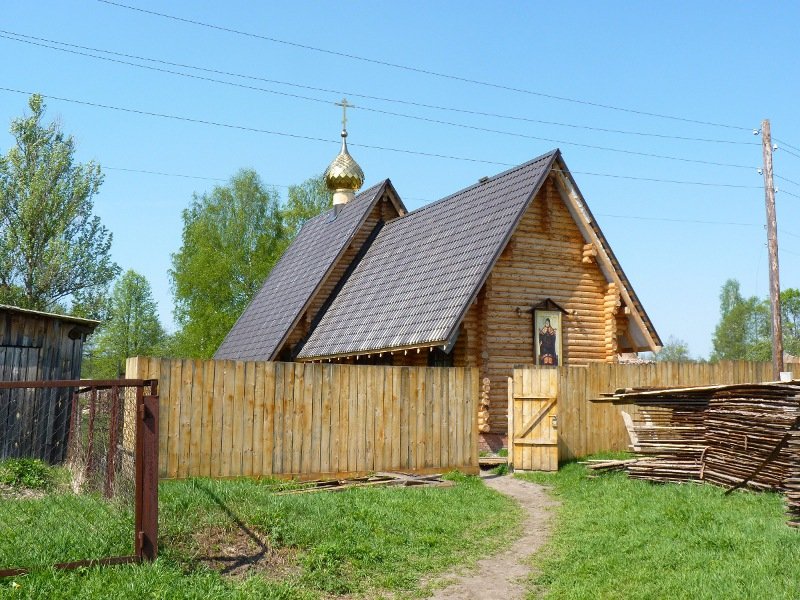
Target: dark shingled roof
418,278
265,323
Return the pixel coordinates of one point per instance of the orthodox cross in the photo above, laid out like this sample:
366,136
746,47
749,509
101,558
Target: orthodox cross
344,104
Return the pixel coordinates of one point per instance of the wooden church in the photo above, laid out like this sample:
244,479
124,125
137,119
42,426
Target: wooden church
511,270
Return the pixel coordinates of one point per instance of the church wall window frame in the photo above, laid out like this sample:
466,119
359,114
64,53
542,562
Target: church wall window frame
548,334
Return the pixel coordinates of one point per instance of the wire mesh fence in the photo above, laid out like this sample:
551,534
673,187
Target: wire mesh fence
75,487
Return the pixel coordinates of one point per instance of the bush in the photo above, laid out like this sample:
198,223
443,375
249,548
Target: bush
30,473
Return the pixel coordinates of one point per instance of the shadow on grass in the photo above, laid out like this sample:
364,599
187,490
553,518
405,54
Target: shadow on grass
249,549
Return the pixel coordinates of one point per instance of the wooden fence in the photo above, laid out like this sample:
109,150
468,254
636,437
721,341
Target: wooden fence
588,424
230,418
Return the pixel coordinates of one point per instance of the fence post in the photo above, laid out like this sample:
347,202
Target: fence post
147,472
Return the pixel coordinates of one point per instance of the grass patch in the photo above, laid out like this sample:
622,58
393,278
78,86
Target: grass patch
25,473
621,538
367,542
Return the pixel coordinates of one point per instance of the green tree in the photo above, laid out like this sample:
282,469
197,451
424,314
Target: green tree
675,350
52,249
744,330
305,201
790,318
132,328
231,239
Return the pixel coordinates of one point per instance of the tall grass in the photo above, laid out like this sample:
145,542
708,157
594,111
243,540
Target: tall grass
623,538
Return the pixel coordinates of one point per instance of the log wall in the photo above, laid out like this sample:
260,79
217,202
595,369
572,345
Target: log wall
547,257
228,418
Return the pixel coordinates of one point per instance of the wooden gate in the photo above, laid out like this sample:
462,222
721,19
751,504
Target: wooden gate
533,419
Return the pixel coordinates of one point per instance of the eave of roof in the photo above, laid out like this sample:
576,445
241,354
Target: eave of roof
91,323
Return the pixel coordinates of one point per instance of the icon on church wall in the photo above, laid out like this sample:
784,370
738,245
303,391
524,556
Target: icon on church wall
547,337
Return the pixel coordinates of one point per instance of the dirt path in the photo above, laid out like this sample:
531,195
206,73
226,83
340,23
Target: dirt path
501,577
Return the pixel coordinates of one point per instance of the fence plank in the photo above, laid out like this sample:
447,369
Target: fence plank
343,373
257,466
330,421
279,420
400,422
174,419
196,419
218,419
207,419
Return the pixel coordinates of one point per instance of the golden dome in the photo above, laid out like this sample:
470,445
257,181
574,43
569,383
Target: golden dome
344,172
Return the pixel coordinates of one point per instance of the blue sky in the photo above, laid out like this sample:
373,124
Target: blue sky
719,62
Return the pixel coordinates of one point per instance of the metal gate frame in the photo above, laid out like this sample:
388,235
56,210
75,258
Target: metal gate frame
146,466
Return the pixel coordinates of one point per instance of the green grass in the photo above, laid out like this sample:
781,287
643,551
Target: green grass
367,542
622,538
27,473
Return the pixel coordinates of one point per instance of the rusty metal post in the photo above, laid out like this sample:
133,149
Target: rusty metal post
113,427
90,448
146,517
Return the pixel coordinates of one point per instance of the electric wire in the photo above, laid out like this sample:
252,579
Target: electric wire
416,117
48,43
786,179
163,174
316,139
255,129
670,220
300,136
421,70
789,152
655,180
783,143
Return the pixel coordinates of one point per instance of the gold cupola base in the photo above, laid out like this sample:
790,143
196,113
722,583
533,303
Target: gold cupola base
343,196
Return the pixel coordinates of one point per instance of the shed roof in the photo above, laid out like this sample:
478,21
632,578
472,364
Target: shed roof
266,322
417,280
90,323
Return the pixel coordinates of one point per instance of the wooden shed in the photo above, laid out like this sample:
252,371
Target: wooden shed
512,270
37,346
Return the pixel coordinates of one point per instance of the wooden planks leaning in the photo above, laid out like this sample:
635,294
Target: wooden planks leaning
733,436
311,421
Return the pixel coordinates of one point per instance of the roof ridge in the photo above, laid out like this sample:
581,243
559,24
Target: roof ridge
546,155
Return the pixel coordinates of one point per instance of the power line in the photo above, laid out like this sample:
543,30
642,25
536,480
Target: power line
782,149
256,129
790,194
414,117
695,221
669,220
30,40
782,143
420,70
615,176
786,179
165,174
368,146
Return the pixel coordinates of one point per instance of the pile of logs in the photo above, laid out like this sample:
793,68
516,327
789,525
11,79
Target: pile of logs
733,436
483,413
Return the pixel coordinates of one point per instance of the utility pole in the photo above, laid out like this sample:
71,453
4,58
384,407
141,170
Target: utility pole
772,246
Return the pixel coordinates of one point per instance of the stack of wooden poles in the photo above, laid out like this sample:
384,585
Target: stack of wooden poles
732,435
792,483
